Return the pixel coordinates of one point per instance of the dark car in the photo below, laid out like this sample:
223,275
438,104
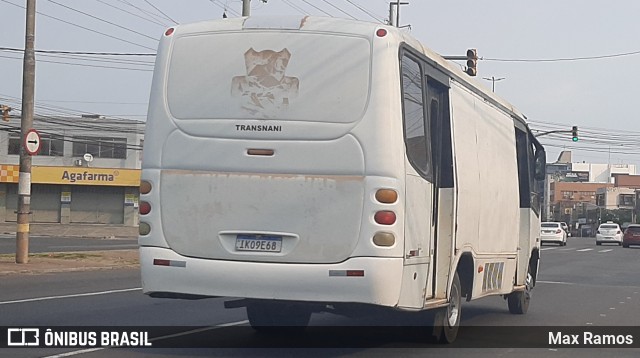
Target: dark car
631,236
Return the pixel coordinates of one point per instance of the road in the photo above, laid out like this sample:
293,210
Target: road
580,285
39,244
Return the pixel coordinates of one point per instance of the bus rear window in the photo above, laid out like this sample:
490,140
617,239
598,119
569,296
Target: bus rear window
254,75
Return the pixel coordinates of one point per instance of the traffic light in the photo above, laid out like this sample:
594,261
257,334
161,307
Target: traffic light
574,133
472,62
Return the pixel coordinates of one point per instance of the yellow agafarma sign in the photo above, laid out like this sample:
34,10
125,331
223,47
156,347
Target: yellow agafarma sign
73,175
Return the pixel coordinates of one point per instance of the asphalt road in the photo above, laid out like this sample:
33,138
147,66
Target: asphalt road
40,244
580,285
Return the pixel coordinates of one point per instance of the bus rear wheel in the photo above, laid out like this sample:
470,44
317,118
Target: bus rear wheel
519,301
446,321
267,316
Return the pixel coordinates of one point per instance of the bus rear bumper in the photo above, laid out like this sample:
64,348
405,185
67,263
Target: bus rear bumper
368,280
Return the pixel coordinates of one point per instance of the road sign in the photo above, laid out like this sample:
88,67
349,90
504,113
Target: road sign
32,142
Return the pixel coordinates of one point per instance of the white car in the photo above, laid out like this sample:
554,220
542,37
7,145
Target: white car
609,232
553,232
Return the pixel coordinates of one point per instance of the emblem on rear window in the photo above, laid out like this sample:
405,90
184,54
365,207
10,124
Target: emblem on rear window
265,90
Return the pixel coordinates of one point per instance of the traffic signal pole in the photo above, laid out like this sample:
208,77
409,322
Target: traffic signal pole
24,179
471,58
573,131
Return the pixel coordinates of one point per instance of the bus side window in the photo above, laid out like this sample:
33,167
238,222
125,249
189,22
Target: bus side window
416,128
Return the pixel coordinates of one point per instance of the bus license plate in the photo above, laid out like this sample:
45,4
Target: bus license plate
259,243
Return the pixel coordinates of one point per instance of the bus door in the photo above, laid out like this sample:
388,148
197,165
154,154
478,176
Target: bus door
442,227
420,183
429,186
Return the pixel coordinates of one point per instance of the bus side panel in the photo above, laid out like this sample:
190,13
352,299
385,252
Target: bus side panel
488,207
464,118
488,215
497,161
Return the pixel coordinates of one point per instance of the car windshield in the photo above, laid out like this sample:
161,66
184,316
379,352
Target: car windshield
633,229
608,226
552,225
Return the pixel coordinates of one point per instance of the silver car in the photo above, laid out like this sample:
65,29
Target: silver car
609,232
553,232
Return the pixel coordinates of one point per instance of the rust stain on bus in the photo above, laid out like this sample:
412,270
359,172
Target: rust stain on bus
303,21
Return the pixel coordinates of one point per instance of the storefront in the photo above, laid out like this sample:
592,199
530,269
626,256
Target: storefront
69,195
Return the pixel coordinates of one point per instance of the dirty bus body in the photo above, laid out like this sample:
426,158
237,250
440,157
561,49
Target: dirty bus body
305,163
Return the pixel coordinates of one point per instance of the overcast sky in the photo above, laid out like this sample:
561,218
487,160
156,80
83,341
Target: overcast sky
561,62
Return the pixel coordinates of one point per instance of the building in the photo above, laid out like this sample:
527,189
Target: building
602,173
87,170
628,181
571,201
623,198
586,192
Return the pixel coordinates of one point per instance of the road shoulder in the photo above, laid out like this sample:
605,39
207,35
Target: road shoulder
70,261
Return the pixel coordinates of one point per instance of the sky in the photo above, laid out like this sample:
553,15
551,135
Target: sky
561,63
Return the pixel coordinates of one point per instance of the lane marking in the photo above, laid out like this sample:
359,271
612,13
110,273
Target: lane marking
82,351
557,282
548,248
583,250
73,353
606,250
70,296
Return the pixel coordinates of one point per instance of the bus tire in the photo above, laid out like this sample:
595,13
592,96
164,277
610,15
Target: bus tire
519,301
446,321
276,316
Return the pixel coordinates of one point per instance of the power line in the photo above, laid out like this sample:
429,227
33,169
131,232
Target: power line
132,14
82,27
51,108
85,65
14,49
339,9
365,11
80,57
315,7
144,11
105,21
295,7
160,11
632,53
224,7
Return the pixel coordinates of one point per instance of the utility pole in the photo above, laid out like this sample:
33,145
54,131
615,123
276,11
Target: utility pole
394,12
246,7
24,180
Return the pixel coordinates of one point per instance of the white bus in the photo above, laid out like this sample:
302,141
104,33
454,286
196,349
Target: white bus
308,164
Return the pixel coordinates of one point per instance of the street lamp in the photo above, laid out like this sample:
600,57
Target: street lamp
493,80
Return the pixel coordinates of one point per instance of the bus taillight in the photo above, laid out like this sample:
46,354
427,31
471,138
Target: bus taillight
385,217
145,208
384,239
386,196
144,228
145,187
